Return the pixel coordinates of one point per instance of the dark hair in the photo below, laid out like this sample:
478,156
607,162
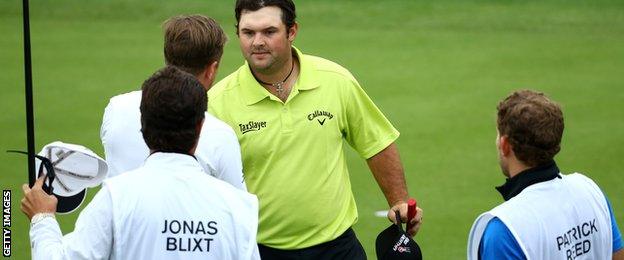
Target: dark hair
173,103
192,42
533,125
287,7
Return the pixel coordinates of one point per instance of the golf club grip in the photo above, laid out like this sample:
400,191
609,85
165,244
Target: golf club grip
411,212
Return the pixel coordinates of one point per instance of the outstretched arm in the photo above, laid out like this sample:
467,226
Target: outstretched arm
388,172
91,238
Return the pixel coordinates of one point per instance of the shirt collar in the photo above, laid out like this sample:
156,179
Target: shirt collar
307,72
160,159
253,92
513,186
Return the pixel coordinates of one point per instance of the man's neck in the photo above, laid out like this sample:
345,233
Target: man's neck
521,180
275,75
282,87
206,83
516,167
191,152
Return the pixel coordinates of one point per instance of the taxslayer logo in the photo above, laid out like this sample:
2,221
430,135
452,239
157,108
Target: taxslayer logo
252,126
320,116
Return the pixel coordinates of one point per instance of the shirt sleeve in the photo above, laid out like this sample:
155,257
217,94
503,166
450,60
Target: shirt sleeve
368,131
230,164
107,119
91,238
498,242
105,124
617,236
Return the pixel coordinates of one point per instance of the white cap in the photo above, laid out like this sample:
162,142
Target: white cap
76,168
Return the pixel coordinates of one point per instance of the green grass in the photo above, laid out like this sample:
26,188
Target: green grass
436,69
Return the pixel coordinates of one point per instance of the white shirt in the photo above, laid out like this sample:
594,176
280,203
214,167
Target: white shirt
167,209
564,218
218,150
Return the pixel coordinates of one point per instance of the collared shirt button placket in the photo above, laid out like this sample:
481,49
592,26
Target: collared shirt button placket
287,122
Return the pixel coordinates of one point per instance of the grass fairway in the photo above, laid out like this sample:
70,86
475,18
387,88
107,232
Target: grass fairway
436,69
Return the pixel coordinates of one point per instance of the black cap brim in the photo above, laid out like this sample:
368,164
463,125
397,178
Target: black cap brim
67,205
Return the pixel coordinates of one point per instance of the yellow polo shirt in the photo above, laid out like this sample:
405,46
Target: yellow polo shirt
293,151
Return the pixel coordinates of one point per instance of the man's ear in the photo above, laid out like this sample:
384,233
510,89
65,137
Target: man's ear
208,75
504,147
292,32
212,70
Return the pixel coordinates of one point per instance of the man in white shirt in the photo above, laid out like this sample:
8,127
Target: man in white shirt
546,214
193,44
166,209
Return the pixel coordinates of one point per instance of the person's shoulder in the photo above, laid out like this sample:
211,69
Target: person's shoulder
218,88
215,132
499,243
580,177
126,99
224,85
120,115
213,124
120,181
520,201
496,227
328,67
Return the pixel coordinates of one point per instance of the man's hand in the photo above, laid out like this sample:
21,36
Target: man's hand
402,208
36,200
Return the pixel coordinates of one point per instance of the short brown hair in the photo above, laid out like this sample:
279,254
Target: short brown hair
287,6
192,42
533,125
173,103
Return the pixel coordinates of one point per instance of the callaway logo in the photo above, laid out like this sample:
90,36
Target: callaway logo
252,126
401,245
324,114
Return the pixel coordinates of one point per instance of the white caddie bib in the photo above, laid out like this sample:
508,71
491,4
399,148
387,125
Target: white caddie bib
564,218
170,209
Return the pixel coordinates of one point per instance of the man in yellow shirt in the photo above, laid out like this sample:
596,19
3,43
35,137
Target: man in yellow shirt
291,113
